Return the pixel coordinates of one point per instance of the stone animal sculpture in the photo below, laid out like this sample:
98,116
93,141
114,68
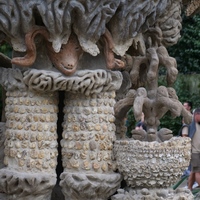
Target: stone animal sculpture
66,61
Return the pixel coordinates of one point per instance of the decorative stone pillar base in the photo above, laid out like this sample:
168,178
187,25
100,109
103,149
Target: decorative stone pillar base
25,186
79,186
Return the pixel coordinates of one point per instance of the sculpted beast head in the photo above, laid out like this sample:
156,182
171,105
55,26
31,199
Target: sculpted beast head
65,61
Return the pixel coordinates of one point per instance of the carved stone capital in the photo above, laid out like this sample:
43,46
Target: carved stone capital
83,81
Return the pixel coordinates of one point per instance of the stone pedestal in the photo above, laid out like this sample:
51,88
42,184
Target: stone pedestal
25,185
89,185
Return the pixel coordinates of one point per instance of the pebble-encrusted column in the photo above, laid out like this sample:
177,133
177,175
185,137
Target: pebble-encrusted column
30,146
2,139
88,136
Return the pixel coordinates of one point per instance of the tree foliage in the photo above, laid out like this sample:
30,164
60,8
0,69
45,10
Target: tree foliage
187,50
6,49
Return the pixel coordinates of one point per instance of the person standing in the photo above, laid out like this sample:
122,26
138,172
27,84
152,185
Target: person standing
188,106
141,124
193,131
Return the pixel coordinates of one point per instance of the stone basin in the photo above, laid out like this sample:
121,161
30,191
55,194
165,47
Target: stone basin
152,164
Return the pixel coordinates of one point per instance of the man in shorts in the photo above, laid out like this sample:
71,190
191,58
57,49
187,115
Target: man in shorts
193,131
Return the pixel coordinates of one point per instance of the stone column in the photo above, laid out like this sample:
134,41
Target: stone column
87,144
30,146
2,140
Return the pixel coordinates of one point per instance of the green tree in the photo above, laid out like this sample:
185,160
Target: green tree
187,50
7,50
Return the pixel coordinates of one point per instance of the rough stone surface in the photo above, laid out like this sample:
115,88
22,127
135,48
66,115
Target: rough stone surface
30,143
89,186
25,185
152,164
193,7
152,194
89,133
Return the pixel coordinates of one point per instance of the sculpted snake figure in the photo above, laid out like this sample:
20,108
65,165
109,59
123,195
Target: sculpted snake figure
66,60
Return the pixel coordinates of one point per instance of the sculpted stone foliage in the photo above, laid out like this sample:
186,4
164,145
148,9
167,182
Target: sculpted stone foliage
91,26
22,185
12,79
72,183
86,81
92,15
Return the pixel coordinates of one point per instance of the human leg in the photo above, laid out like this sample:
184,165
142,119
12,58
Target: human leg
197,177
191,180
195,163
